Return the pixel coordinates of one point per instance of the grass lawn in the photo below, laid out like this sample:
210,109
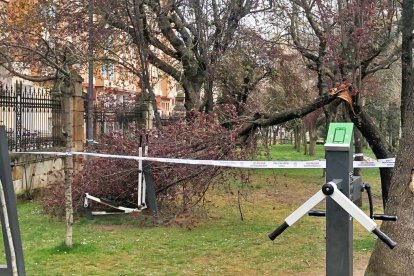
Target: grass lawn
217,242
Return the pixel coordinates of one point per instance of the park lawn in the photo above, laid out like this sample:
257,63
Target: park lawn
285,152
211,242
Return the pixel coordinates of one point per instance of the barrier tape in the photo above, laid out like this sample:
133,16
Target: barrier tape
312,164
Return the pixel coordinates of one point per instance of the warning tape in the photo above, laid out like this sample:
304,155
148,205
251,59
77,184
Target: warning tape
312,164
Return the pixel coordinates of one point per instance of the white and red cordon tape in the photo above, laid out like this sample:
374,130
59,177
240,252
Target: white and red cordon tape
312,164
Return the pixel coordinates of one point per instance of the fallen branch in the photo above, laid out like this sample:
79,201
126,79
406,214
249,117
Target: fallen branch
278,118
343,91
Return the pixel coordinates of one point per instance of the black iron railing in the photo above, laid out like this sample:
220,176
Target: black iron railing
120,117
33,117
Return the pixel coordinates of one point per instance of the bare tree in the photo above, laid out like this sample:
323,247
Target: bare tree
249,62
184,39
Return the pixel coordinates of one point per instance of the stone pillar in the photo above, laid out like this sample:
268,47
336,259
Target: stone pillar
179,110
78,118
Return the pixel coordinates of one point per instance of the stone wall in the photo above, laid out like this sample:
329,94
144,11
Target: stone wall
31,172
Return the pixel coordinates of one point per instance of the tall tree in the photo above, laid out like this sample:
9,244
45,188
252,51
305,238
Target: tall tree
400,261
184,39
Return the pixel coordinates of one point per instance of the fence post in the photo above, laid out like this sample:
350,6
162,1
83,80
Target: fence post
18,105
78,117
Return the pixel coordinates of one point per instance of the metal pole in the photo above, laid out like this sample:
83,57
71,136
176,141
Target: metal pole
339,231
140,173
89,133
6,181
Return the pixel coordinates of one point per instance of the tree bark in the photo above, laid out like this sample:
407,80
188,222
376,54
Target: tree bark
358,157
305,142
313,137
208,102
377,143
67,104
400,260
359,151
192,90
266,139
406,56
275,133
297,135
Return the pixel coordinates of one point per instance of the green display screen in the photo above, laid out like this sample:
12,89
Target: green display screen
340,133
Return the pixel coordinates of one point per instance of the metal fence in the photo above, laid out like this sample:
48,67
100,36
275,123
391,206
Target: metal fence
33,117
166,121
120,117
110,115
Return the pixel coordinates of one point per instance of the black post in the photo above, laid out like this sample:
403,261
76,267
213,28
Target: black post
150,191
10,201
18,106
90,111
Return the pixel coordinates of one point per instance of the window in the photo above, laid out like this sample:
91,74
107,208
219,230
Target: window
107,70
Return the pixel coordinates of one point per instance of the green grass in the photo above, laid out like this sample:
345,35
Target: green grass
286,152
219,243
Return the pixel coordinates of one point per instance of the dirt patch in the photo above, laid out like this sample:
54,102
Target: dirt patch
111,227
360,265
286,191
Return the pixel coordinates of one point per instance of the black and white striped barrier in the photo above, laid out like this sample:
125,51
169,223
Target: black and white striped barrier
121,209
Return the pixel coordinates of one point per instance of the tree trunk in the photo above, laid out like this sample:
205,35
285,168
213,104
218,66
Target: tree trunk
68,91
275,133
285,116
208,104
359,156
266,137
406,56
378,144
296,131
305,142
68,164
313,137
270,135
192,90
359,151
400,260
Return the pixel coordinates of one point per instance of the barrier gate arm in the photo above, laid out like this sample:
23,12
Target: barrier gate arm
298,213
330,189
